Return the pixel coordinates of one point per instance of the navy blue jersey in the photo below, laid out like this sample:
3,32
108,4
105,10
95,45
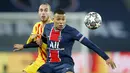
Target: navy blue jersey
60,43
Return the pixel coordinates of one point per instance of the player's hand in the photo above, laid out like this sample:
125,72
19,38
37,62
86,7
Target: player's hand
18,47
39,41
111,63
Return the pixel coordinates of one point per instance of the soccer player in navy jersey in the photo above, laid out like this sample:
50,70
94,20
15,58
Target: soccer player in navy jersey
60,39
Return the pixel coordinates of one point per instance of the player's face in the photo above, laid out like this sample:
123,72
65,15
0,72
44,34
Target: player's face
44,12
59,21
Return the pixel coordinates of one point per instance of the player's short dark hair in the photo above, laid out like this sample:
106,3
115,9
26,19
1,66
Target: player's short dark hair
59,11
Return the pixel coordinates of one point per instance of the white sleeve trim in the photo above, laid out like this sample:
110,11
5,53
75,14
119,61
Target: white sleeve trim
81,39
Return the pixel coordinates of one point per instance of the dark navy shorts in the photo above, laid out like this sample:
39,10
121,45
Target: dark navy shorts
56,68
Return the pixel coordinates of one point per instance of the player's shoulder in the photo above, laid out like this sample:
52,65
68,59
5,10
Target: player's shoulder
72,31
49,25
38,23
70,28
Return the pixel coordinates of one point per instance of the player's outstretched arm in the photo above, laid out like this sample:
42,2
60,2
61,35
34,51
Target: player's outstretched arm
79,37
18,47
100,52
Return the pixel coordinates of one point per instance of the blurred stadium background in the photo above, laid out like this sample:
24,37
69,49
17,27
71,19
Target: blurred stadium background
17,18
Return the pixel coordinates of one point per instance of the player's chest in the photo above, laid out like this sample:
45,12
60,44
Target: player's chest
58,40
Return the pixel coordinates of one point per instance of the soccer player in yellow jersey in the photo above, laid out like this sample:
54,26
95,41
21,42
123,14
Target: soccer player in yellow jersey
44,14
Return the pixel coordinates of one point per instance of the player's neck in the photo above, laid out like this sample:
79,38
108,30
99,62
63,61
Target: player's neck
47,21
56,29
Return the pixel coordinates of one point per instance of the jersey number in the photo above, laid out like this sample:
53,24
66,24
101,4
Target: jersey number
54,56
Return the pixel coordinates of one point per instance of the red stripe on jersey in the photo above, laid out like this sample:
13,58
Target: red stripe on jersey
43,54
54,35
38,28
54,54
41,29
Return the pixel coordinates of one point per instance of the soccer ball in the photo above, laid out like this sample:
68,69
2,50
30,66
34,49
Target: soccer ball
93,20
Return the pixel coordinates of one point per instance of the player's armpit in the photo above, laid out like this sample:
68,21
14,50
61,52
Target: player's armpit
29,40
